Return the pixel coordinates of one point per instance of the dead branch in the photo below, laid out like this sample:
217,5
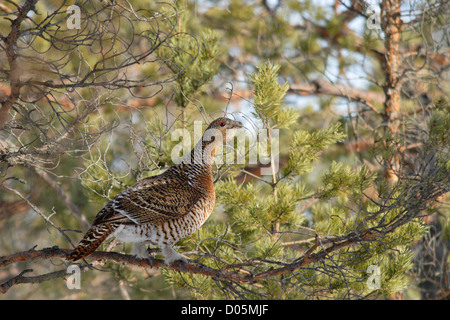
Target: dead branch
320,87
64,197
11,54
239,276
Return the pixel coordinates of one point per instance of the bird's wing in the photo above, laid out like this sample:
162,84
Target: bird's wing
151,200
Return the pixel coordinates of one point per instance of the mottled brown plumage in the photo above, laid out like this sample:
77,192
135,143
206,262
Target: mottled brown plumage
165,208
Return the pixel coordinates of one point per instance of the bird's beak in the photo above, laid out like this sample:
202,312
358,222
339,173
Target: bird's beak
237,124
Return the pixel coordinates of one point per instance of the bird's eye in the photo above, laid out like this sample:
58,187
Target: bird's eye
222,124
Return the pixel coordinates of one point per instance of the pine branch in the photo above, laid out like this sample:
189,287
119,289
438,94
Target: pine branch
320,87
427,194
239,276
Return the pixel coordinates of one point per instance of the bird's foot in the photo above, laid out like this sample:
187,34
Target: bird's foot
140,251
170,255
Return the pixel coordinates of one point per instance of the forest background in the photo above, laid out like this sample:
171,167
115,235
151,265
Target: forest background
353,94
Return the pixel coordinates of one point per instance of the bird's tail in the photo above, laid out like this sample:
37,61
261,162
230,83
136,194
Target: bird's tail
92,240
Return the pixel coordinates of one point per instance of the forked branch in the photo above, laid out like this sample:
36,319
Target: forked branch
194,267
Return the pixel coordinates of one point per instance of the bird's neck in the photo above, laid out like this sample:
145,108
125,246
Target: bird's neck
202,154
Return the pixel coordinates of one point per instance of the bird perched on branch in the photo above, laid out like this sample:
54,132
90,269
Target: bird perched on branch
166,208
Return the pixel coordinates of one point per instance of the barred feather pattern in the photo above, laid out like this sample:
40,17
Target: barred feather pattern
92,240
168,232
162,209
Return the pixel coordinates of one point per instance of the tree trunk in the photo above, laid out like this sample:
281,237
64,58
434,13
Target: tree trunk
391,24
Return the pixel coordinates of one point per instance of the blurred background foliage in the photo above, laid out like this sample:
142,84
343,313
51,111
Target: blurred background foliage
98,107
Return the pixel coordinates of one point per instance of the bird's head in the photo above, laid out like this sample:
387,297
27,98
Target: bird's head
222,130
218,132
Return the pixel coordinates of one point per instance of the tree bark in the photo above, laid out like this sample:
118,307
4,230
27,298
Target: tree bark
11,54
391,24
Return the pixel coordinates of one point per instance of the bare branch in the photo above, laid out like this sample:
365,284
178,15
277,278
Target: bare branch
11,54
240,276
62,195
320,87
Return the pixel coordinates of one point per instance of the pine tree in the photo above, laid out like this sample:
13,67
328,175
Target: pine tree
266,223
347,198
